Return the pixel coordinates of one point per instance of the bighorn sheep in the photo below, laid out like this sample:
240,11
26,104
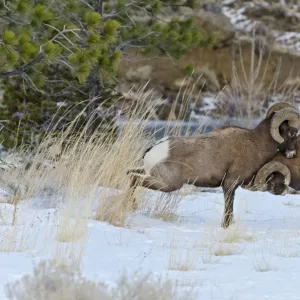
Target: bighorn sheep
280,176
227,157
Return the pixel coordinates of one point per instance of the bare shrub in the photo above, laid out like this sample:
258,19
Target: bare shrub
147,288
50,282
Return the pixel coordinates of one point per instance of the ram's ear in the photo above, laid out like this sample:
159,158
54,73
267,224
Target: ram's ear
272,114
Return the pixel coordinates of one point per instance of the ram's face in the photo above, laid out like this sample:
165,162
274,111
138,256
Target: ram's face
289,146
276,184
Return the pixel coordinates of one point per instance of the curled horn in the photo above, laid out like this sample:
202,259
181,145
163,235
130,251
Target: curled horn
286,114
268,169
278,106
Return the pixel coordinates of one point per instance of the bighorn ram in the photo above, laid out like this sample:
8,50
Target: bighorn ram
227,157
281,175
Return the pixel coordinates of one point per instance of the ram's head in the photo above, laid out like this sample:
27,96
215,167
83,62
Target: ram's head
273,177
285,123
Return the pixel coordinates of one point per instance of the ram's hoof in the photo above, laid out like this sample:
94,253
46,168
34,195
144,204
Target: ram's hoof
227,221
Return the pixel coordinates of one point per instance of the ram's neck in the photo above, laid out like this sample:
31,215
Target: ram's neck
268,144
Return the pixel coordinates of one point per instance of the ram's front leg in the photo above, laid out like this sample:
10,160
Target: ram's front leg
291,191
229,193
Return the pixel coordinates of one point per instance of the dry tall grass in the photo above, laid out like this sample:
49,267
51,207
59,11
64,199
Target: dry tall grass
75,168
262,263
16,239
182,258
262,259
236,233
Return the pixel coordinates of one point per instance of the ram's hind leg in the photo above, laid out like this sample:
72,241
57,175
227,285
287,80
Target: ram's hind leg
136,179
137,170
134,182
151,183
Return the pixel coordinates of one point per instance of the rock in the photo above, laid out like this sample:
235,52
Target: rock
206,80
139,74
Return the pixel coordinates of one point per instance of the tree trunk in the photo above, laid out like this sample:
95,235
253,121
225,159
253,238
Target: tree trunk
94,94
94,83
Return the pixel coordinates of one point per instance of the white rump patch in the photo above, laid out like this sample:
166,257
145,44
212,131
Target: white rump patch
158,153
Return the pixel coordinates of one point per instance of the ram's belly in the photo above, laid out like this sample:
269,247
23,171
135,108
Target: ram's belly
207,171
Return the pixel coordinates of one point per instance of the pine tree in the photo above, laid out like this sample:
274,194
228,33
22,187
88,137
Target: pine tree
68,51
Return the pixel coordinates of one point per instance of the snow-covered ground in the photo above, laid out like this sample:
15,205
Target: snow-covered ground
267,239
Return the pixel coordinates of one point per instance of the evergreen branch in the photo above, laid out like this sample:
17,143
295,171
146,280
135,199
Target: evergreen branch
173,5
115,14
63,91
30,82
19,22
69,50
130,43
22,69
63,32
87,4
99,6
65,63
4,3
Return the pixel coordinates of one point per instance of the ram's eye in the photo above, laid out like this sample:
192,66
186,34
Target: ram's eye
292,134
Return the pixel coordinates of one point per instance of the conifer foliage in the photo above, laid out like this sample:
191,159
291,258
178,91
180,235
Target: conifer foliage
68,51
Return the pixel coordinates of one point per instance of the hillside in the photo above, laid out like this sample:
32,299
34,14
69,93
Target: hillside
254,63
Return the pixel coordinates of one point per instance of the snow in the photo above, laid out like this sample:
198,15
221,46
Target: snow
147,244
